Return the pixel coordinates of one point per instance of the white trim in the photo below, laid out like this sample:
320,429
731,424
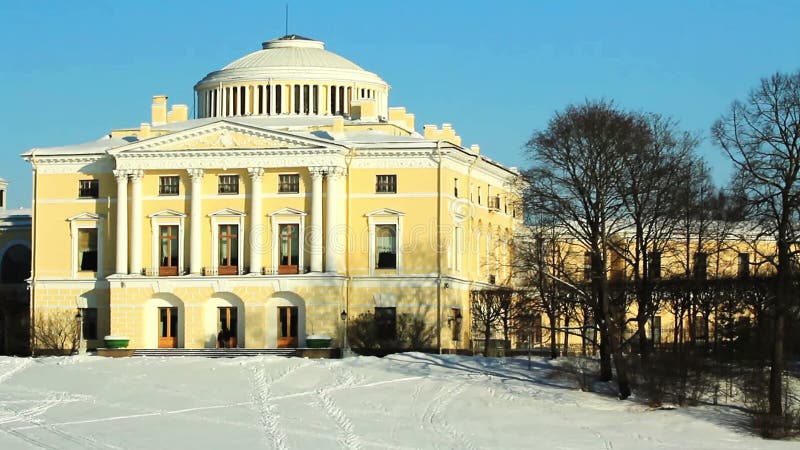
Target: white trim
166,217
288,216
83,221
227,216
385,216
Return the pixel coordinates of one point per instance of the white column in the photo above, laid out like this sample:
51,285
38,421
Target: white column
290,99
272,99
302,105
256,225
335,244
122,221
264,99
195,236
315,240
136,221
247,103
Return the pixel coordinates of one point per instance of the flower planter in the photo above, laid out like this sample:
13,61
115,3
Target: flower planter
315,341
116,341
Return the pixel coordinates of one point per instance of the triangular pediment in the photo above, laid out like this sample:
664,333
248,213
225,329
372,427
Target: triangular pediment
223,135
87,216
287,212
383,212
167,213
226,212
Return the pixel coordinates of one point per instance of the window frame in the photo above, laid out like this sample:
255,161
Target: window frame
288,216
161,185
92,190
381,316
89,322
385,216
220,184
227,217
294,187
157,220
83,221
387,185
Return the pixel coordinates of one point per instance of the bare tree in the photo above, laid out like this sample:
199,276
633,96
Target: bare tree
577,161
650,182
487,307
761,135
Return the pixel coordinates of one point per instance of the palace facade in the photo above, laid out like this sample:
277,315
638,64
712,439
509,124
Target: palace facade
294,198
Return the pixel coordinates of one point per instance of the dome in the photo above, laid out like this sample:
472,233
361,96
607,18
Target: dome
294,57
292,75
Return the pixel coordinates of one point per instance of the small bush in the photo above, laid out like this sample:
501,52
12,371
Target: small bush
56,331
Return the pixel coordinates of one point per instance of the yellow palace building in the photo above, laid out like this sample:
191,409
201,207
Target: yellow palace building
295,195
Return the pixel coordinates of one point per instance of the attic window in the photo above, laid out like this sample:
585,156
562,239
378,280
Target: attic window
88,188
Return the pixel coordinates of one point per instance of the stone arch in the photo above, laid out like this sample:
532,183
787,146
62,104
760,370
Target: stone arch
285,298
150,322
210,317
15,262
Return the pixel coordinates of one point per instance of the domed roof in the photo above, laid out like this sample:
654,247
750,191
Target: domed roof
294,57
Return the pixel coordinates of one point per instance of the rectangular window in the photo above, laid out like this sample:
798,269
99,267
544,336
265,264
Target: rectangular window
289,183
386,323
701,265
168,250
386,184
455,187
228,184
228,249
744,265
587,266
289,256
89,323
494,203
87,249
479,195
386,246
654,265
89,188
456,319
656,331
168,185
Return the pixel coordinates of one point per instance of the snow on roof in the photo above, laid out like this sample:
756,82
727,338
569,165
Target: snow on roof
97,147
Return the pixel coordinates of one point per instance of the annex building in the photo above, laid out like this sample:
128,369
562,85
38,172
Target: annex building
294,195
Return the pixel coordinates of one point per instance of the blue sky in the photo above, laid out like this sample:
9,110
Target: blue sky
497,71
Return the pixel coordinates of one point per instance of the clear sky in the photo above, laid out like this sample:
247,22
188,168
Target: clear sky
497,71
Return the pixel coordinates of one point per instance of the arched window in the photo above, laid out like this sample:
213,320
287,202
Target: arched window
16,264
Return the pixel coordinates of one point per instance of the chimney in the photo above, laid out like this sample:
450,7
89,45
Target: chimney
159,110
178,113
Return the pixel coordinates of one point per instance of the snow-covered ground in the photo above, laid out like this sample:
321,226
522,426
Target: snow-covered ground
410,400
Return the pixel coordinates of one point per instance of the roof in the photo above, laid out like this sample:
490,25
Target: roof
291,56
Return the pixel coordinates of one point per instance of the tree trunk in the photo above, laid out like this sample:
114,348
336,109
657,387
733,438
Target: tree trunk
553,345
487,333
566,336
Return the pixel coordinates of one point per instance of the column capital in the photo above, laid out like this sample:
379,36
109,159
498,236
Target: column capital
335,172
317,171
255,173
196,174
136,174
121,174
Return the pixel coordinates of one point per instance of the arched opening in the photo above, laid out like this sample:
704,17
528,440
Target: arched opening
164,322
224,311
15,267
286,320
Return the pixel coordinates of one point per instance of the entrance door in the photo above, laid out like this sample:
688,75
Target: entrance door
227,324
289,248
287,326
168,250
168,327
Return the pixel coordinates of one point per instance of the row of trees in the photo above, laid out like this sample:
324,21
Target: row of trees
629,186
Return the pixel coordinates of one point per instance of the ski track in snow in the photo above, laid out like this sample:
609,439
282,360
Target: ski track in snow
433,417
17,366
31,416
269,416
344,379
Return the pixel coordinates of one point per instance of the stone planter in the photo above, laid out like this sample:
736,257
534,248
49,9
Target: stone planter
318,341
116,341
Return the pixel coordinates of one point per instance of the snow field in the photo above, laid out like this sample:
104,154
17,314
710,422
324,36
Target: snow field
404,401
